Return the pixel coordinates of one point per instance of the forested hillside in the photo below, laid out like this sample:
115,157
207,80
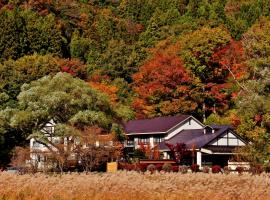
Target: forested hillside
208,58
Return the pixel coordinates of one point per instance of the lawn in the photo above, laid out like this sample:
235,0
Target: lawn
132,185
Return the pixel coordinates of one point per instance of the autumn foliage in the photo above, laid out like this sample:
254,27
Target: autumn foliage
163,78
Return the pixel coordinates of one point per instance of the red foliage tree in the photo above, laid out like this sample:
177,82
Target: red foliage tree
74,67
178,151
231,60
161,80
227,70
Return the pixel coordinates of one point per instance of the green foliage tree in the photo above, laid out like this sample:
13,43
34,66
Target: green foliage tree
241,15
118,61
13,74
198,47
70,103
24,32
254,105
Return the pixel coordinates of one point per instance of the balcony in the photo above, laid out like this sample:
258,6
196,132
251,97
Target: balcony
129,143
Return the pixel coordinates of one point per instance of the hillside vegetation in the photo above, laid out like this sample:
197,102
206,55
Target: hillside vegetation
207,58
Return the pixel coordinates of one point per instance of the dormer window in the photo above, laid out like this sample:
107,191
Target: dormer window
208,129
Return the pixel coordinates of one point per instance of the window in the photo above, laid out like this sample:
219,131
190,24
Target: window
37,144
130,142
48,129
158,139
143,140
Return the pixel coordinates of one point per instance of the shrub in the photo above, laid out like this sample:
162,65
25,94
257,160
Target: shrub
183,169
205,169
227,170
175,168
151,168
167,167
267,168
256,169
131,167
128,167
159,167
142,167
195,168
216,169
240,170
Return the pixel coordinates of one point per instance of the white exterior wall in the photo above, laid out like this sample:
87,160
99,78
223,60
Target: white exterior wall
151,142
199,158
136,143
185,126
40,147
228,139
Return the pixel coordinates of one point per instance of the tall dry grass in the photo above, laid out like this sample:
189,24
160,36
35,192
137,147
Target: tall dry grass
132,185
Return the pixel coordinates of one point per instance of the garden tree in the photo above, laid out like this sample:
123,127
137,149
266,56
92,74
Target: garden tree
257,152
178,151
13,74
155,153
23,158
96,148
145,149
9,137
24,32
163,87
70,103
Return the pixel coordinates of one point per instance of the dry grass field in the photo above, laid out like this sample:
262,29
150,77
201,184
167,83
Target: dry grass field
132,185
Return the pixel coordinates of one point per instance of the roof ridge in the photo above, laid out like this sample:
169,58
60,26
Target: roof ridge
156,124
159,117
185,130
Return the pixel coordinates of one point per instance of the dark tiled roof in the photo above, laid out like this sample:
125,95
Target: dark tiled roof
195,137
158,124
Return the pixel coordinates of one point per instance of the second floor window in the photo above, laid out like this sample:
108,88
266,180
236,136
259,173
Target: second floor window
130,142
144,140
158,139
